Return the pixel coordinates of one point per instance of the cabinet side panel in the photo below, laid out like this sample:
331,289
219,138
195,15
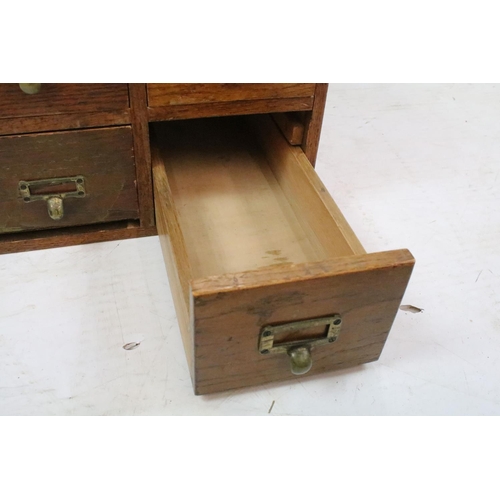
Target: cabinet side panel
140,129
314,121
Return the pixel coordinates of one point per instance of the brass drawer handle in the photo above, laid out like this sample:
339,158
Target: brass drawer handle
53,191
55,207
300,359
30,88
299,351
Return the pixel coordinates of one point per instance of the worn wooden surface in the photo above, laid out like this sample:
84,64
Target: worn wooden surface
70,236
229,313
142,151
103,156
174,94
314,121
31,124
204,110
314,207
62,98
255,249
233,213
174,252
80,106
61,353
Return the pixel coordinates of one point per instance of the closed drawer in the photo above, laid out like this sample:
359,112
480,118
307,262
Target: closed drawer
174,94
88,174
267,276
58,98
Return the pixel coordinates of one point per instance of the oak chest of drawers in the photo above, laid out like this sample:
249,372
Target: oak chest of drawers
268,279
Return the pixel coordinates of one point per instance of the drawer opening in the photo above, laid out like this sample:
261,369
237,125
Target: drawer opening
244,199
251,239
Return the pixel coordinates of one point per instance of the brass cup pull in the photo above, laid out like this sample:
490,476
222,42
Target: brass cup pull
300,360
53,192
55,208
299,350
30,88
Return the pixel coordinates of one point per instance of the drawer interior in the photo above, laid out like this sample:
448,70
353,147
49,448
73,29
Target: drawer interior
252,239
236,208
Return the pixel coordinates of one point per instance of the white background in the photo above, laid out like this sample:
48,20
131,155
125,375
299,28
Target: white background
272,41
411,166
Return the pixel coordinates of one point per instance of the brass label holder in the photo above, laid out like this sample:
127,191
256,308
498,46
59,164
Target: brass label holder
54,200
299,351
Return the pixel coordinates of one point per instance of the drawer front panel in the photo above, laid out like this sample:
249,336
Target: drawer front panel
37,170
173,94
230,313
58,98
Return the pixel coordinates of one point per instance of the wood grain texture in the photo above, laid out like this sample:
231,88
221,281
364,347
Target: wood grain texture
140,129
233,212
224,205
62,98
174,94
174,252
39,240
103,156
32,124
231,108
315,208
314,122
230,311
291,126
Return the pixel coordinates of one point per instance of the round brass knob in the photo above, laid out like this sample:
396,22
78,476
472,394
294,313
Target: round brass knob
30,88
300,360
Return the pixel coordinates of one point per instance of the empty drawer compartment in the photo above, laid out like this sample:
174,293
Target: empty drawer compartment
268,279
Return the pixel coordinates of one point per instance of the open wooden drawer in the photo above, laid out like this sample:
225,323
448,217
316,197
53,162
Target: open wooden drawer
266,274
